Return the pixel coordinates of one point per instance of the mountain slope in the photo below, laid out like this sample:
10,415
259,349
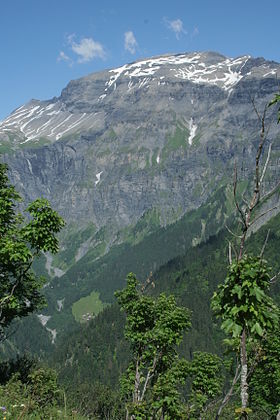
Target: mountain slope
125,153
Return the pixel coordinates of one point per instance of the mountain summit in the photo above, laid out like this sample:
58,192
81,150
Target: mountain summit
85,103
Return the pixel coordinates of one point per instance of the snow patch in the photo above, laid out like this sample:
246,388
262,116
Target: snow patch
60,304
29,166
272,72
192,128
98,176
53,333
101,97
43,319
51,106
70,127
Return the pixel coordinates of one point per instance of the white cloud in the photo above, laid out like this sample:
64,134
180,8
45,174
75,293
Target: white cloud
130,42
195,32
63,57
87,49
176,26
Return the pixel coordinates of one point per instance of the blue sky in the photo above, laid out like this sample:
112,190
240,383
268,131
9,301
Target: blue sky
46,43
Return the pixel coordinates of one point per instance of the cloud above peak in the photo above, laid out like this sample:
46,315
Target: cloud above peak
176,26
63,57
87,49
84,50
130,42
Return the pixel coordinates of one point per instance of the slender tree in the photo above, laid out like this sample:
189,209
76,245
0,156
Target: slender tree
154,328
242,301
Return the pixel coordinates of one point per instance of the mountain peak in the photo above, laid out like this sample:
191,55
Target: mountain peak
84,102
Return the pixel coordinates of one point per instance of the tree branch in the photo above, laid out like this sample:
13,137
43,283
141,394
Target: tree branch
264,245
273,279
232,233
243,218
266,163
149,376
229,253
263,214
230,391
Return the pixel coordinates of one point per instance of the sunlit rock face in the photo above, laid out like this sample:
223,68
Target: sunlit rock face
161,133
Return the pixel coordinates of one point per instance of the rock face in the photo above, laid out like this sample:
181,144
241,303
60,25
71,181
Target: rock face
159,133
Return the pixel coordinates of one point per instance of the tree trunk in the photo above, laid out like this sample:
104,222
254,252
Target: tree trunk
244,374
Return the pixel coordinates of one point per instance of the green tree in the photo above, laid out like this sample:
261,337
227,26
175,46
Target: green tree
274,101
154,328
245,308
207,380
22,239
264,386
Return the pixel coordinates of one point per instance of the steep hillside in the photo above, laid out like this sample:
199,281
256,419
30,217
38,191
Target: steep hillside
193,278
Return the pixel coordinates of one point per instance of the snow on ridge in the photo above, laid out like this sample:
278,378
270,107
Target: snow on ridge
35,121
225,73
150,66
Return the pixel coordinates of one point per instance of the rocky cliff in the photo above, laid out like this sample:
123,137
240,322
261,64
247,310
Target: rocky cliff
161,132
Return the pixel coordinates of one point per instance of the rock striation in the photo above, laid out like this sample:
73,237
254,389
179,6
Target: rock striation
160,133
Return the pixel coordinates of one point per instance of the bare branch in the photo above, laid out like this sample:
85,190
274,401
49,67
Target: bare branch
149,376
232,233
270,192
266,163
255,108
229,253
263,214
274,278
10,295
243,218
230,391
264,245
148,283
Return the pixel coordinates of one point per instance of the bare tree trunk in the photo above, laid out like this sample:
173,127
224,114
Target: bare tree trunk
244,374
136,394
229,393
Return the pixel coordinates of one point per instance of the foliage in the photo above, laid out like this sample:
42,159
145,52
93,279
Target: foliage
36,398
96,401
154,328
207,381
275,101
21,241
265,382
192,278
241,301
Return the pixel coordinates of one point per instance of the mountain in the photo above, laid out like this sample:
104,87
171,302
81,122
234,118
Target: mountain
128,155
